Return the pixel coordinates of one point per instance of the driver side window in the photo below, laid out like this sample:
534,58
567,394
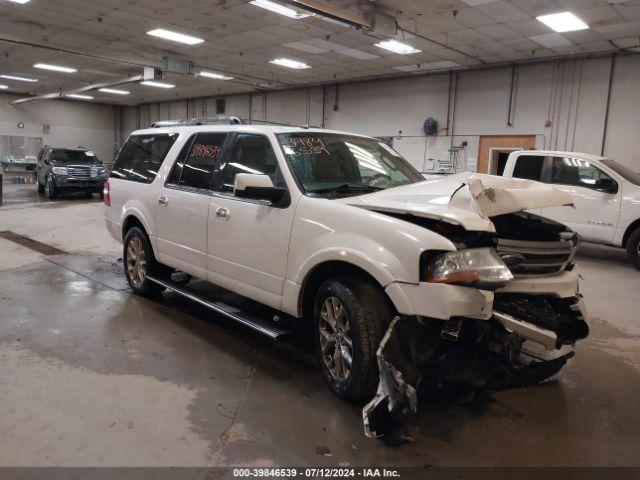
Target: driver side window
575,171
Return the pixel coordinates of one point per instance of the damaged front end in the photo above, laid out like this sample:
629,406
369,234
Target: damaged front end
534,317
507,351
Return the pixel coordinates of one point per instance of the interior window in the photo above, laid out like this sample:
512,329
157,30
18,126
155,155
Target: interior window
529,167
196,164
575,171
251,153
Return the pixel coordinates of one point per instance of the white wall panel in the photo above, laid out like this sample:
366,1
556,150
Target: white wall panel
71,123
562,103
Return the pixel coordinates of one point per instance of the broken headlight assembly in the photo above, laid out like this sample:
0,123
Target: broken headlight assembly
478,267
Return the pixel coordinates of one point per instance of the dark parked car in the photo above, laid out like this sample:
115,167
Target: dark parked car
69,170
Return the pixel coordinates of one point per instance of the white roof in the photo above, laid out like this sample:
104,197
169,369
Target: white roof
240,128
558,153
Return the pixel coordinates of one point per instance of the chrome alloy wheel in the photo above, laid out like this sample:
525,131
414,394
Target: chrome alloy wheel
136,261
335,342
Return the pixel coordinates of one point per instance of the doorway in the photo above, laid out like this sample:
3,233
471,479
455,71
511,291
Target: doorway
495,149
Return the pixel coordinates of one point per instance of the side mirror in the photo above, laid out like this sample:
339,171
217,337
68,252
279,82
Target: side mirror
607,185
257,187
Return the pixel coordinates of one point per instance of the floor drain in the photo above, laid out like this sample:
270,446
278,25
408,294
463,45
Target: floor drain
31,244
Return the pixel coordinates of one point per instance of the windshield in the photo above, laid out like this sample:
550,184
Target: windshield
73,156
328,163
627,173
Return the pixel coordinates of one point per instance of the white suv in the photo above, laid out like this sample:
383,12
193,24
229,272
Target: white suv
606,195
400,278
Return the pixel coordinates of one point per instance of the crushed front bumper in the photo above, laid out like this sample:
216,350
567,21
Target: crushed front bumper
465,336
442,301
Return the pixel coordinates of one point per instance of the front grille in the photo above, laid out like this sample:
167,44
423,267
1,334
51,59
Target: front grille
83,171
529,258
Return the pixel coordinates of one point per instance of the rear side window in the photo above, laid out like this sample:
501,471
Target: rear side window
196,163
529,167
141,157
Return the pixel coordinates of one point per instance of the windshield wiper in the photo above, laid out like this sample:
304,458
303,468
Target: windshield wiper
346,187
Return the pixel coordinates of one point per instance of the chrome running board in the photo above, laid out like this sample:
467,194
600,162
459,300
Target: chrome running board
258,324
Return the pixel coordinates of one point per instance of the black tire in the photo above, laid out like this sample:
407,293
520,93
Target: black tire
137,239
368,314
633,248
50,188
40,187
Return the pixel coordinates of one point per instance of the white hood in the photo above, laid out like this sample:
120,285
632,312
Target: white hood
466,199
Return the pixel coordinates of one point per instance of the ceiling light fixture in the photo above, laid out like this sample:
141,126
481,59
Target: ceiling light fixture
79,97
175,36
20,1
215,76
4,87
397,47
149,83
280,9
563,22
19,79
286,62
114,91
55,68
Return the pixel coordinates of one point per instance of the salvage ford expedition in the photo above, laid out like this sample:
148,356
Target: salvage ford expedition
402,280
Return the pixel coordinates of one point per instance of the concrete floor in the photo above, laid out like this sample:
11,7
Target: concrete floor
93,375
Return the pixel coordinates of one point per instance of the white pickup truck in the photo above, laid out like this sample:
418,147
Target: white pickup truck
399,279
606,195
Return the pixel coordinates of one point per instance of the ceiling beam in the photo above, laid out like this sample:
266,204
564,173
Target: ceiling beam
86,88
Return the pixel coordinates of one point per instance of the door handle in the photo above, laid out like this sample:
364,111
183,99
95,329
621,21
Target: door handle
163,201
223,213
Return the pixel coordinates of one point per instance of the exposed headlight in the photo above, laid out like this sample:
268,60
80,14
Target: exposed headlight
480,267
59,170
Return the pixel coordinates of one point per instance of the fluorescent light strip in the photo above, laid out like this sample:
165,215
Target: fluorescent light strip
215,76
114,91
563,22
277,8
286,62
22,2
149,83
4,87
55,68
79,97
397,47
19,79
175,36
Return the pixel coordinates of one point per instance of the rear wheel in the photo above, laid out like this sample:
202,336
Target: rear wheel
350,317
139,262
633,248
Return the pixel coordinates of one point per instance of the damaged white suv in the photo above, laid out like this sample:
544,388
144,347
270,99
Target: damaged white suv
402,279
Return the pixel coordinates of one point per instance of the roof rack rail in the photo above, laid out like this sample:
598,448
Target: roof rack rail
183,122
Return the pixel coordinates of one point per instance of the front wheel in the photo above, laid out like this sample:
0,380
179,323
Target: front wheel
139,262
633,248
50,188
350,317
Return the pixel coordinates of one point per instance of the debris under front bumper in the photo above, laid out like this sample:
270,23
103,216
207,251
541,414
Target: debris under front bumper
416,354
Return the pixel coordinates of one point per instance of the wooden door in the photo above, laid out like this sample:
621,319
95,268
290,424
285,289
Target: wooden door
496,142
